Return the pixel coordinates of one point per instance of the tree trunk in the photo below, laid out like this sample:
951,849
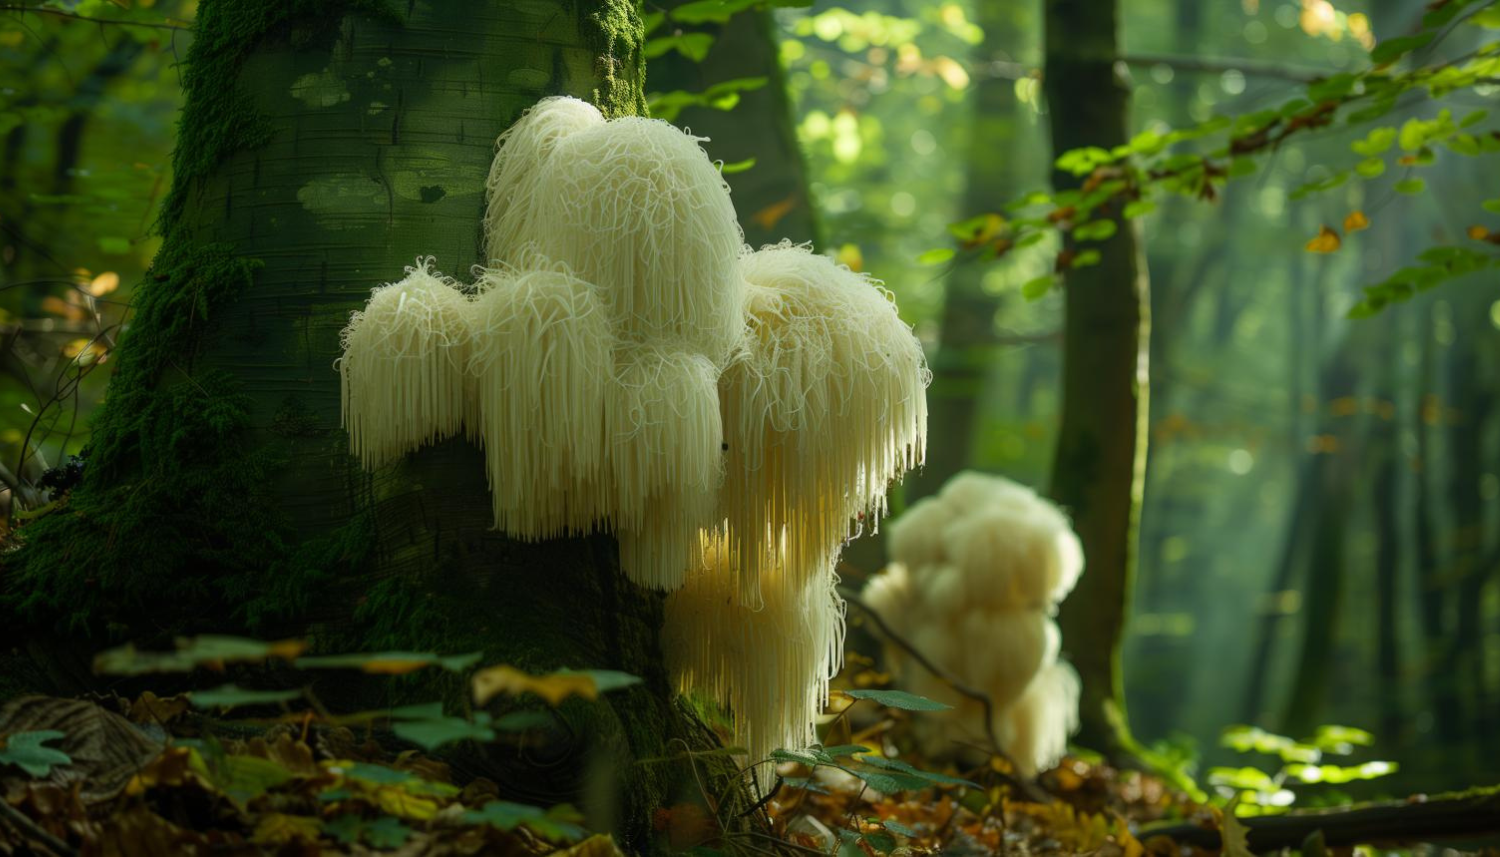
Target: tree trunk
324,145
1098,469
967,342
771,197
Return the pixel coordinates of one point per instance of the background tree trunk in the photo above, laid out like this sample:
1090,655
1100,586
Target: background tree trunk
996,164
324,146
772,197
1099,465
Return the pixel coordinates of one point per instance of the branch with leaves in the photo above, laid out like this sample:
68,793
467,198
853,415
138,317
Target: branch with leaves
1126,182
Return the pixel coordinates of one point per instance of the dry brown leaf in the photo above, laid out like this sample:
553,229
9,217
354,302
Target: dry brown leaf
554,687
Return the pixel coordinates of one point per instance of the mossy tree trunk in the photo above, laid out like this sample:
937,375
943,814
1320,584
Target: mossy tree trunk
1098,468
324,145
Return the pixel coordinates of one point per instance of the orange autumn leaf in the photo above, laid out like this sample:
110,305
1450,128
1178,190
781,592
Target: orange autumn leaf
1327,241
1478,233
768,217
1356,221
554,687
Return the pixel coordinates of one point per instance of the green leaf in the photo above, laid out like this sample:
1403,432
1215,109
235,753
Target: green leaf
192,652
1370,167
895,826
114,246
232,696
25,751
840,750
710,11
1332,88
1037,287
1086,259
1473,118
736,166
606,681
1410,186
899,699
560,823
1375,143
386,832
434,732
1492,205
694,46
1139,208
795,756
1097,230
936,256
1391,50
905,768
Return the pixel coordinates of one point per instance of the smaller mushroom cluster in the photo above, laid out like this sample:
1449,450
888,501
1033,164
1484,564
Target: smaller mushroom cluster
976,575
730,415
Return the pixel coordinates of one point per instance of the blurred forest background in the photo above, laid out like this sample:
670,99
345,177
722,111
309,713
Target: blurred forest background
1320,538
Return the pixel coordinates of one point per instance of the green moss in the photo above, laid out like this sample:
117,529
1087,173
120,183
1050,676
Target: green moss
613,30
173,501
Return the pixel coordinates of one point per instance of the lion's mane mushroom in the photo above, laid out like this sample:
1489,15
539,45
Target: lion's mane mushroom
770,665
730,416
976,575
401,374
823,405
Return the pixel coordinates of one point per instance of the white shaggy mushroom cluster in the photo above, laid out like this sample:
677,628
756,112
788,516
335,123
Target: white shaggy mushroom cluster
976,575
731,416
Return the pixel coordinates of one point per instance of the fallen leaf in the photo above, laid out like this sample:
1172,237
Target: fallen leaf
554,688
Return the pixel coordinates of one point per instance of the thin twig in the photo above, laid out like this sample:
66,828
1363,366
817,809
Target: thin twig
63,13
30,829
1027,788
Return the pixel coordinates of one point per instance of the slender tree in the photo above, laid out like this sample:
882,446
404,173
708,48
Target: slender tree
323,146
771,196
1098,469
996,162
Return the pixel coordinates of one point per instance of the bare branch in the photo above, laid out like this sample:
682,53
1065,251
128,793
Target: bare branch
62,13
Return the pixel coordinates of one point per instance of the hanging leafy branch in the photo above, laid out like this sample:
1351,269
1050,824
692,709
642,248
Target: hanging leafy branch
1127,181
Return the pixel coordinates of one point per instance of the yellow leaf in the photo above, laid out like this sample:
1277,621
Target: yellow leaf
1478,233
554,687
598,845
279,829
1356,221
850,257
103,284
768,217
1326,242
395,801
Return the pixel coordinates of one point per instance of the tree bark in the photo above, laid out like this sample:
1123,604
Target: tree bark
324,146
1099,465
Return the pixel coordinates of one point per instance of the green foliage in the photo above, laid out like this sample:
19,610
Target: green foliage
1124,182
25,750
721,96
1258,791
898,699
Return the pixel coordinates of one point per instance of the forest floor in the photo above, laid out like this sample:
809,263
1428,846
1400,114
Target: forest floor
144,777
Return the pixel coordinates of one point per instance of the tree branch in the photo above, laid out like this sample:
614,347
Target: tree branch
63,13
1475,813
